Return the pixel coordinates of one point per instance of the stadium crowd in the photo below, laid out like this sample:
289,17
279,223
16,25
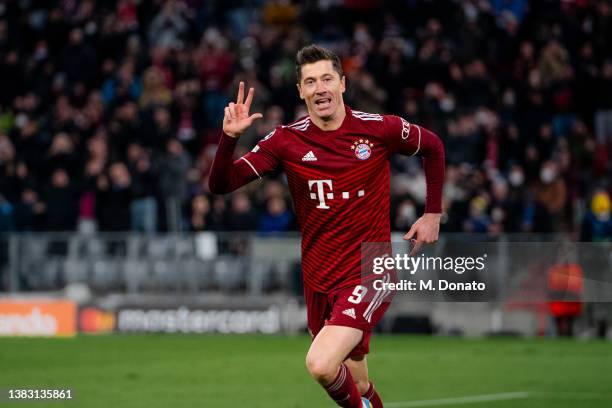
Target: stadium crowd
110,111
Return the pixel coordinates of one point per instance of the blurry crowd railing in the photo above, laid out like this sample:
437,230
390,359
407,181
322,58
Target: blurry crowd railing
134,263
223,262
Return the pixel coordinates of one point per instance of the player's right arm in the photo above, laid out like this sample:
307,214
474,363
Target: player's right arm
227,175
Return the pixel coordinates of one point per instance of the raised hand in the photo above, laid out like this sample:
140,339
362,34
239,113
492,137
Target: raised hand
237,118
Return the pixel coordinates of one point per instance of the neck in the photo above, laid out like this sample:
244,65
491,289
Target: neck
332,123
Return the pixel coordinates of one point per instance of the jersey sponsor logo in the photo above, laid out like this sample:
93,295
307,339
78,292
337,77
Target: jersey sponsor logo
319,193
350,313
405,129
309,157
362,149
322,191
367,116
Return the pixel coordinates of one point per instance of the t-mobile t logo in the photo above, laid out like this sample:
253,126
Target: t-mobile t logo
320,192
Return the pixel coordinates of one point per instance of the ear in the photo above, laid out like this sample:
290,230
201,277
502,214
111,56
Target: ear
300,91
343,84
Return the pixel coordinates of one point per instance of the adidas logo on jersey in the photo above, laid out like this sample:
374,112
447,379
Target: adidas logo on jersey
309,157
350,312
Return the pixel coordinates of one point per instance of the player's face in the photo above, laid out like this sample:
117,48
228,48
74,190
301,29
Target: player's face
321,88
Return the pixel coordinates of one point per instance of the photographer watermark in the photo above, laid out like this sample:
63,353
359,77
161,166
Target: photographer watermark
491,271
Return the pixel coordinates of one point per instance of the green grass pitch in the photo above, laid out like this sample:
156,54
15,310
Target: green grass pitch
174,371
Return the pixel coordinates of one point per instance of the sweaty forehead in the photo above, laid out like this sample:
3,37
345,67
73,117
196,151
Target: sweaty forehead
318,69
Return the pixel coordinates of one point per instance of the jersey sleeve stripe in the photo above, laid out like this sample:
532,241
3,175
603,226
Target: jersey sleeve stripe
249,163
367,116
302,125
419,143
299,123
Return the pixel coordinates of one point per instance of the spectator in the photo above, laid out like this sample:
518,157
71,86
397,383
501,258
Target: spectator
597,223
61,203
7,222
143,208
218,216
277,218
154,89
28,211
200,213
603,114
551,193
241,215
78,58
169,25
113,199
478,220
173,182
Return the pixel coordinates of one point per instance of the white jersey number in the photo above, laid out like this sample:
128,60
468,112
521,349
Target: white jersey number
358,293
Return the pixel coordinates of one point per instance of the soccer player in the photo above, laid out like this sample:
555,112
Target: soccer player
337,164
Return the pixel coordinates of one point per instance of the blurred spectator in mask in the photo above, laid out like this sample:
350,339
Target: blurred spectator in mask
500,207
551,193
597,223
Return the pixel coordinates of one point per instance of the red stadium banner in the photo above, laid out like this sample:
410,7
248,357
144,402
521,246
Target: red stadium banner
37,317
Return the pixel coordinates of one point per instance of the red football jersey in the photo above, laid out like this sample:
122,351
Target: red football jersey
340,185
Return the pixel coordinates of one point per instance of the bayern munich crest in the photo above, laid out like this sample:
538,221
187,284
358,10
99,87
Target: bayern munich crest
362,148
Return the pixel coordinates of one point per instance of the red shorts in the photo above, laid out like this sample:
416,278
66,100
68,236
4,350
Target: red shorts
360,307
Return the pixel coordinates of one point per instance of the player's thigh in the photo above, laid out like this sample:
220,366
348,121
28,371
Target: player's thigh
330,348
358,366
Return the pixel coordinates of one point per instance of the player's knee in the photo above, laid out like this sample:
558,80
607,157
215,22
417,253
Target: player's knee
321,370
362,386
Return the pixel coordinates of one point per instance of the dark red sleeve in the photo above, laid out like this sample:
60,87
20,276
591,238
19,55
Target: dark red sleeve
226,175
411,139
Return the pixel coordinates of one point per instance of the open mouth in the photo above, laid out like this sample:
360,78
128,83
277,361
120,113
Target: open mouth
323,103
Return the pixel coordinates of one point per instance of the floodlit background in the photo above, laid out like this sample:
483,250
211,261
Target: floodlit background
110,113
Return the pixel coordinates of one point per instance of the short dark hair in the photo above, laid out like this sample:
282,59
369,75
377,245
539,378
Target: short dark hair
313,53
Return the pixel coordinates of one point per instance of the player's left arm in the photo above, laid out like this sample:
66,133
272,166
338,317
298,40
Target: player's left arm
411,139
